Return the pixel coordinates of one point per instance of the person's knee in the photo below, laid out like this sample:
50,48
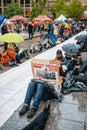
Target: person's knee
31,84
40,87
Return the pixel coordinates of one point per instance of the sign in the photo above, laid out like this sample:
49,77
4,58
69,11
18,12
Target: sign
47,70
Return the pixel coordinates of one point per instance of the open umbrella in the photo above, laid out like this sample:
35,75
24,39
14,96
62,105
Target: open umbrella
2,18
58,22
42,18
11,38
71,48
81,37
16,18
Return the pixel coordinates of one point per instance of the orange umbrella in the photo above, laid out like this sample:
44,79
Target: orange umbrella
43,18
25,20
16,18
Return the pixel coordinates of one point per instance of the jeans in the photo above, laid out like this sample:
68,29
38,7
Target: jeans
65,37
30,36
22,54
38,91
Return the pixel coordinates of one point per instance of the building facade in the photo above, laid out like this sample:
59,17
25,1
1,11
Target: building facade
28,4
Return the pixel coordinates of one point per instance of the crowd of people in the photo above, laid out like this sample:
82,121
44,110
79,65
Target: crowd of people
56,33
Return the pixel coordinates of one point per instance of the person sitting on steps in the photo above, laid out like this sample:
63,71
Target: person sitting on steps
37,91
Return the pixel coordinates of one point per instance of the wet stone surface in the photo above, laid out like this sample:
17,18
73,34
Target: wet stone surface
70,114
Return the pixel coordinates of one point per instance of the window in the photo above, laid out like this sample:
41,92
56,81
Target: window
22,1
27,1
8,1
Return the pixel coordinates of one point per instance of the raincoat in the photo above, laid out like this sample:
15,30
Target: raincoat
8,55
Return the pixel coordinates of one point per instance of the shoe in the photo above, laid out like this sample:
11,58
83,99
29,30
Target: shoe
31,113
23,110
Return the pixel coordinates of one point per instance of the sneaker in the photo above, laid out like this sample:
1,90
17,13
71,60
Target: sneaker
31,113
23,110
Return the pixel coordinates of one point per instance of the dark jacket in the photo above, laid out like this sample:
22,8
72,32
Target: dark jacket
30,28
4,29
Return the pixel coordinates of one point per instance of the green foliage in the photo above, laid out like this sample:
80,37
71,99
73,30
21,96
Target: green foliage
13,9
45,12
75,10
36,10
42,3
60,7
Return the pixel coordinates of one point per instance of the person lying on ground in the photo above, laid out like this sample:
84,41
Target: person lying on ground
47,43
38,91
36,47
21,53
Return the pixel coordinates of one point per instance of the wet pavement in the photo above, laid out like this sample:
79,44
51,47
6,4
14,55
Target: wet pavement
70,114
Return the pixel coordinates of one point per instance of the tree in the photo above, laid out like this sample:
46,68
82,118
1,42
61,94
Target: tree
75,9
13,9
42,4
60,7
35,11
45,12
38,8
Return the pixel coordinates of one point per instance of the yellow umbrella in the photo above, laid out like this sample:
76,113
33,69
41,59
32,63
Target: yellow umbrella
11,38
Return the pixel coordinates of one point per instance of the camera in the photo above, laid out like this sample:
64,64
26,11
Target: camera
75,61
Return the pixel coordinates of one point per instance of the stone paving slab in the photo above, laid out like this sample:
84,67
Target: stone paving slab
67,125
85,118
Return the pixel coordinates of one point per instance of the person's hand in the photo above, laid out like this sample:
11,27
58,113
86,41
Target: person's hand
72,58
64,68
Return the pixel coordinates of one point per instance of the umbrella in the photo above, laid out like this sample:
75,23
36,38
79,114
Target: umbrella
2,18
81,37
71,48
58,22
16,18
43,18
11,38
66,20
